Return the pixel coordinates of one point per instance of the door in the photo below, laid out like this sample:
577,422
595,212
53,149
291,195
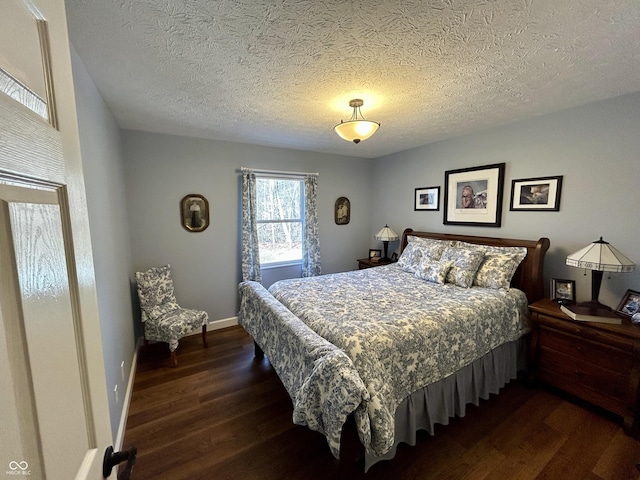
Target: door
54,414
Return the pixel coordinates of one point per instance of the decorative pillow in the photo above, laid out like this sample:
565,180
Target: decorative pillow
155,291
417,248
465,265
410,258
429,246
433,270
498,266
469,246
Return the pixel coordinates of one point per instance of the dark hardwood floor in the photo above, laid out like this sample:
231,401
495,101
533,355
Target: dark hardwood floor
221,414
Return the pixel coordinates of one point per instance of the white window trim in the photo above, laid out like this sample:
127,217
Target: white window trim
282,176
288,263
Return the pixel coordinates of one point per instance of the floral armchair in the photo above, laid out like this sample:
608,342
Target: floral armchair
163,319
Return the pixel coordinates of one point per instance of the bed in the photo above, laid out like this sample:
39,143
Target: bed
381,353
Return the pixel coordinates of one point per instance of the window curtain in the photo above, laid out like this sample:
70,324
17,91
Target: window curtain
310,237
250,249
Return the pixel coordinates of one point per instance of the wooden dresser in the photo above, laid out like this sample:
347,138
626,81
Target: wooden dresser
597,362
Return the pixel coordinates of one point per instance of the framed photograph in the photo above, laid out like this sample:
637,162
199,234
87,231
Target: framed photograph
427,198
536,194
375,255
342,211
394,257
630,303
473,196
194,212
563,291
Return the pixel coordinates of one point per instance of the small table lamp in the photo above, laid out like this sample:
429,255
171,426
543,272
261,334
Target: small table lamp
386,235
599,256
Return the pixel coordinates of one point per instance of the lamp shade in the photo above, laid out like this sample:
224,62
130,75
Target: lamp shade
601,256
357,128
386,235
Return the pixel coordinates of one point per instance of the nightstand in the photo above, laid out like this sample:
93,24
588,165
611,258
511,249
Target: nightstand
367,263
597,362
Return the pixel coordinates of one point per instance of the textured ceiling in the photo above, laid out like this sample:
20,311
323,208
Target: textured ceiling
281,72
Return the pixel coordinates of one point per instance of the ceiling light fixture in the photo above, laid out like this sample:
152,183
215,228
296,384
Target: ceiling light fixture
357,128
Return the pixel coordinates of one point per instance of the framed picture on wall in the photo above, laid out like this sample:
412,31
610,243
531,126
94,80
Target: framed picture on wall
342,211
194,212
536,194
427,198
473,196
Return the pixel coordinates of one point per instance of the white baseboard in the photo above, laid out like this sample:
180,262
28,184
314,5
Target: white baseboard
217,325
122,426
222,323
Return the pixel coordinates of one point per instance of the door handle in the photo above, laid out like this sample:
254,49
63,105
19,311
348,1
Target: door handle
111,459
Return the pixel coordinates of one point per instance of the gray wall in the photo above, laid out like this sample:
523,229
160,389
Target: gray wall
595,147
162,169
109,225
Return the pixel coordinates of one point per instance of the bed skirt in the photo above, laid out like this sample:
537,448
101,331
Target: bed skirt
438,402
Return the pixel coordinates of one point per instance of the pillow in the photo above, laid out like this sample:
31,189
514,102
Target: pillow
155,291
410,258
498,266
433,270
417,248
465,265
429,246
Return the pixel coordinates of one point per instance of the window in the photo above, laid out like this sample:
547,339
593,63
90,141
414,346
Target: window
280,214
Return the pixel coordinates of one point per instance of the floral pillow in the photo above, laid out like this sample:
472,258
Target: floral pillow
155,291
499,266
410,258
429,246
465,265
417,248
434,271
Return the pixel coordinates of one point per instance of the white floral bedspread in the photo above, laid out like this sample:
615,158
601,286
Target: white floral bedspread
400,333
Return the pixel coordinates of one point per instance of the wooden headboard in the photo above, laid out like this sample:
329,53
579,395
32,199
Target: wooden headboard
528,277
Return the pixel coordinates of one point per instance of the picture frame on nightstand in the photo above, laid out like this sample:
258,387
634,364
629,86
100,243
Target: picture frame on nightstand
630,303
563,291
375,255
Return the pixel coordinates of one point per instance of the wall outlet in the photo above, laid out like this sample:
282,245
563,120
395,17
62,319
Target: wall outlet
115,392
122,370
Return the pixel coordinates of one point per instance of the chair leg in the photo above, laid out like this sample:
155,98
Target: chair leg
204,336
174,358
